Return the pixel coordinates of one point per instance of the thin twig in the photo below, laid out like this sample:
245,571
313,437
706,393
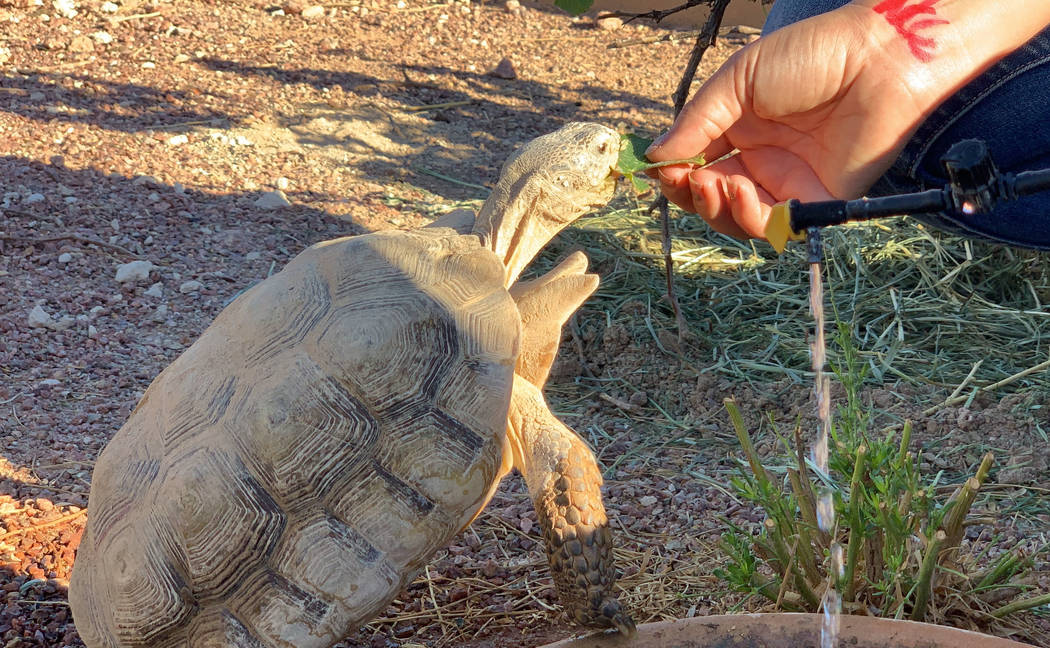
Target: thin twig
656,15
36,527
437,106
622,404
70,237
704,40
649,40
987,388
120,19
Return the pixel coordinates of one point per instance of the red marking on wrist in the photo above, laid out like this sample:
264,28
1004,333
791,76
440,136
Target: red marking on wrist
903,15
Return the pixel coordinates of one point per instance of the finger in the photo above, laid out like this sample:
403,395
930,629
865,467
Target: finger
704,120
749,206
674,183
710,194
726,196
717,149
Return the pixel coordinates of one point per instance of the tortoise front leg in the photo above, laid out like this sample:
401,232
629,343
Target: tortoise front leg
545,304
565,485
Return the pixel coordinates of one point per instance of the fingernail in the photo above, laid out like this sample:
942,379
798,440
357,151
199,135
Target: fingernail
699,205
657,143
728,190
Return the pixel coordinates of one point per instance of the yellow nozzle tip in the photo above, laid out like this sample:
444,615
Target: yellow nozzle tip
778,228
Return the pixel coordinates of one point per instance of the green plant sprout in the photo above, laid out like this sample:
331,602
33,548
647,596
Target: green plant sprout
633,161
904,552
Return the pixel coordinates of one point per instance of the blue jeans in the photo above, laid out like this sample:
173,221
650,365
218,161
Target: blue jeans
1008,107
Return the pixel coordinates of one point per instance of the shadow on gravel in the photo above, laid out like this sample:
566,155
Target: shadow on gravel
71,373
124,107
448,140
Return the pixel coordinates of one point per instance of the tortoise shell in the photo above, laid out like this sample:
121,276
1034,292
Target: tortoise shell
292,470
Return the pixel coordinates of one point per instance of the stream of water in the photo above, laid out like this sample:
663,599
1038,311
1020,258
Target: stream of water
832,601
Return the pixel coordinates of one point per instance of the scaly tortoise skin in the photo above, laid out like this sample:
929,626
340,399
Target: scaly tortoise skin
283,479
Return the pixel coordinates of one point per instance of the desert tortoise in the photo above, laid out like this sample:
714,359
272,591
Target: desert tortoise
282,480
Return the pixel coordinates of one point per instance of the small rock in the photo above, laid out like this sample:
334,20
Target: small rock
156,290
181,58
253,256
65,257
315,12
294,7
34,198
272,200
147,179
513,6
161,313
36,95
44,505
133,271
176,140
66,8
504,70
747,29
109,7
102,38
638,399
63,323
190,286
490,568
647,501
40,318
282,183
608,23
82,44
92,331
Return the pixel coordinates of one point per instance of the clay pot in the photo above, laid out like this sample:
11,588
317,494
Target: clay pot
789,631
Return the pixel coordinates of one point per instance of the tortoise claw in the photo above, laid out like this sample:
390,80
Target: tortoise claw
614,615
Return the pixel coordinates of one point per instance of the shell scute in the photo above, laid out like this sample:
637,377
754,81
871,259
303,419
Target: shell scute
216,509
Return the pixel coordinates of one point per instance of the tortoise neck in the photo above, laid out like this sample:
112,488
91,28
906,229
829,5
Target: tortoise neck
518,220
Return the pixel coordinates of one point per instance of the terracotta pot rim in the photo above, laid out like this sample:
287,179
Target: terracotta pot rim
787,629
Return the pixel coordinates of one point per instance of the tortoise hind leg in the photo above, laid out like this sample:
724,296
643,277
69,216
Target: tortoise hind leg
565,485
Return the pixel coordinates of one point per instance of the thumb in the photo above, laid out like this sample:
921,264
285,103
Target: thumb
714,108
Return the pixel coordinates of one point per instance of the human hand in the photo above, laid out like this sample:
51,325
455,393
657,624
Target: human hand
818,110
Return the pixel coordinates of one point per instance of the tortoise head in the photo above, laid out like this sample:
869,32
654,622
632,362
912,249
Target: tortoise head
545,185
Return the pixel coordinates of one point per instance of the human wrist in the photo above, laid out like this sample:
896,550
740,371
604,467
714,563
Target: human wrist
937,46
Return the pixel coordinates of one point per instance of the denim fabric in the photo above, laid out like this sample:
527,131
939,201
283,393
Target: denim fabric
1008,107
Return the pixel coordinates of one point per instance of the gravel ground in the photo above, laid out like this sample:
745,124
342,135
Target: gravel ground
157,158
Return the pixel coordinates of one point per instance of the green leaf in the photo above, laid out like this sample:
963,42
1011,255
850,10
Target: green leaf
632,154
575,7
632,160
